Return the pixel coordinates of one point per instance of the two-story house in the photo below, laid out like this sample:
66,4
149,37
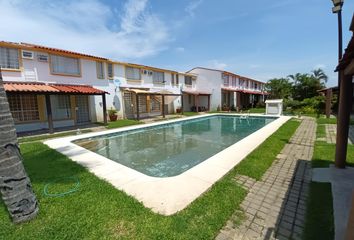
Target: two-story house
143,91
229,90
49,87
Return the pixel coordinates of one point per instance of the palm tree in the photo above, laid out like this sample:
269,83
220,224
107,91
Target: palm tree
15,186
320,75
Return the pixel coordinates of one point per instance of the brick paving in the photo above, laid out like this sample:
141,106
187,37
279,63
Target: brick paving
275,206
331,133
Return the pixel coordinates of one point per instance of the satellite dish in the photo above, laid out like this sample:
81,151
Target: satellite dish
117,83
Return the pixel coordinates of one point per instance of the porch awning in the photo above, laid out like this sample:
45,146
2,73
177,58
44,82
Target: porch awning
193,92
244,91
39,87
151,92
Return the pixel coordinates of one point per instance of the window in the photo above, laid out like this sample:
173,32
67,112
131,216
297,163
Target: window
156,103
158,77
100,70
27,54
24,107
9,58
110,72
65,65
62,106
226,79
187,80
233,81
132,73
42,58
177,79
172,79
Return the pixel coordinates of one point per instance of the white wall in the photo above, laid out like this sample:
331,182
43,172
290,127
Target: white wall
209,81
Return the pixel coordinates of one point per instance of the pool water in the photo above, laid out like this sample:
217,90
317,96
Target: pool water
170,149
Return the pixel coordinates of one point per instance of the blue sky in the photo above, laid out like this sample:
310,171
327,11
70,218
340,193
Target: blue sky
260,39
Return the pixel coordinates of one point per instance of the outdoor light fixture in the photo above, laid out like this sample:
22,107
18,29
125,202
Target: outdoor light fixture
337,5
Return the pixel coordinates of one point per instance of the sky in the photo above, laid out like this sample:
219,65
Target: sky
258,39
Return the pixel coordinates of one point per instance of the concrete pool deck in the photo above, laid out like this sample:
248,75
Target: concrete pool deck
166,195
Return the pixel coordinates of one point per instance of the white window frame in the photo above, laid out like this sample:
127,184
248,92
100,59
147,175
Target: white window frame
27,57
8,59
127,69
62,59
156,77
185,80
110,73
100,69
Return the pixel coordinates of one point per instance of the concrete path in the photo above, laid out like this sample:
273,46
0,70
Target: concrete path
275,206
331,133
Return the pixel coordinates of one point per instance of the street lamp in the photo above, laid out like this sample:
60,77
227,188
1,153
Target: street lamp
338,4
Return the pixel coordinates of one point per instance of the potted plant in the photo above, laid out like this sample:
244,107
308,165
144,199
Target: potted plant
112,113
178,110
225,108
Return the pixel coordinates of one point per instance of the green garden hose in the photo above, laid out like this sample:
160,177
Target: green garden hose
72,190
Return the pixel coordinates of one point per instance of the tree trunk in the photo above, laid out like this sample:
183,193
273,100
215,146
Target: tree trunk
15,186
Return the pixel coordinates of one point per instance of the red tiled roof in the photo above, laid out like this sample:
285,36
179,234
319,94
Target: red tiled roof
38,87
193,92
244,91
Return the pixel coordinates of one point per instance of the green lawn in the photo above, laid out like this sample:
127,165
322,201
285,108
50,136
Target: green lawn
319,222
256,110
99,211
48,136
122,123
319,216
257,163
188,114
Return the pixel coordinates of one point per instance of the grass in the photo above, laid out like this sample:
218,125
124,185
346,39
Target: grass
321,131
256,110
122,123
257,163
188,114
319,222
48,136
99,211
324,154
319,216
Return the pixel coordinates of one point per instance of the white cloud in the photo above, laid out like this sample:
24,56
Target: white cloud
317,66
87,26
217,64
192,6
180,49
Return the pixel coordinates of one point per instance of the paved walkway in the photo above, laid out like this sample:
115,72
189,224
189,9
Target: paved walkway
275,206
331,133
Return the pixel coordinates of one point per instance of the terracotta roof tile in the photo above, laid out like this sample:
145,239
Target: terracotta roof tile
50,88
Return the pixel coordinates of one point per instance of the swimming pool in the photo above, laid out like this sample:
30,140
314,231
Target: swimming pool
170,149
173,162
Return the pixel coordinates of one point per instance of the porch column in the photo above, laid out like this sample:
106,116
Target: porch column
163,106
104,108
328,102
208,102
345,103
197,102
49,113
137,107
182,104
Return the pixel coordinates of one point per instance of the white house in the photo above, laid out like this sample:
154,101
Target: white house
52,88
49,87
228,90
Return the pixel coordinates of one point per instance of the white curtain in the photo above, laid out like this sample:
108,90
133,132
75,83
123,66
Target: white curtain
65,65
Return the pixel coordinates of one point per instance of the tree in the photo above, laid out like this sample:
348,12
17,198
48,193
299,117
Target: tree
280,88
320,75
305,85
15,186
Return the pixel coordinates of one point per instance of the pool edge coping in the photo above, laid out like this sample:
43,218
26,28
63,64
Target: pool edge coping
166,195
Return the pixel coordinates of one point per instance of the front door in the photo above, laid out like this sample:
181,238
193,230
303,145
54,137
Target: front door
83,114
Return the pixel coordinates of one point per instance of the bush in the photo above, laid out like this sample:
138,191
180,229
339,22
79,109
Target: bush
308,105
260,104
